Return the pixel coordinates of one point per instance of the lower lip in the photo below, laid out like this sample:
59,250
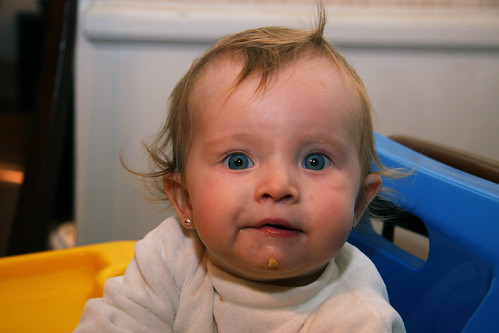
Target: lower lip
276,232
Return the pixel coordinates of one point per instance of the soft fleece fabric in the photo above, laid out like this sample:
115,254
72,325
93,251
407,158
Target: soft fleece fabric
171,286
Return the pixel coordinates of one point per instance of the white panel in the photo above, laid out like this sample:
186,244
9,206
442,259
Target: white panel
149,21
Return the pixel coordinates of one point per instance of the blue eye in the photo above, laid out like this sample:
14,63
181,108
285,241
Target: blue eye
316,161
238,161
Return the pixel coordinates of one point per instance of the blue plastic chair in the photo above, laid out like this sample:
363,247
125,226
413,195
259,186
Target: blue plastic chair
456,289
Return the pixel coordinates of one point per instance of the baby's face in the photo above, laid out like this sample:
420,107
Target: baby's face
272,178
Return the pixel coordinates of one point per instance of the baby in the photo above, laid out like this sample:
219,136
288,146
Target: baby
267,159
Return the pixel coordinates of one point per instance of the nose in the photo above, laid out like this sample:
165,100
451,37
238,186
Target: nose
278,185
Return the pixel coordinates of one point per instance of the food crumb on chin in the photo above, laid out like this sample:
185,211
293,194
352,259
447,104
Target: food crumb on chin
273,263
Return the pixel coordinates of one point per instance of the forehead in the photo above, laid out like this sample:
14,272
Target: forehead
310,80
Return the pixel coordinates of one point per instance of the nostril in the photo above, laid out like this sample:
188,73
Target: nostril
277,187
285,197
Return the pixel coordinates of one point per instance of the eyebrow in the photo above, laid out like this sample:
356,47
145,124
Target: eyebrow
235,138
339,145
330,140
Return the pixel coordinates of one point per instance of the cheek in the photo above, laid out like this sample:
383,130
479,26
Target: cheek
215,202
333,214
211,193
335,200
332,230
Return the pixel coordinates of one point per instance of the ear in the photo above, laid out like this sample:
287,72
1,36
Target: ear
370,189
179,197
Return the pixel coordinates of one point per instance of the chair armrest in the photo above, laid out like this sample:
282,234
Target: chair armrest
462,160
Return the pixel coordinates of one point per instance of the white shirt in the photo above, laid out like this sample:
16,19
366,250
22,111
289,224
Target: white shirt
171,286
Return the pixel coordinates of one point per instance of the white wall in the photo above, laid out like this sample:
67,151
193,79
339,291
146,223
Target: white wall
445,95
430,73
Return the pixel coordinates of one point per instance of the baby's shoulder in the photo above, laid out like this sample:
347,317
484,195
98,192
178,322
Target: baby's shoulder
170,246
357,297
356,269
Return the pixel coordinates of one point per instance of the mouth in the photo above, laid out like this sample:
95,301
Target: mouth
277,228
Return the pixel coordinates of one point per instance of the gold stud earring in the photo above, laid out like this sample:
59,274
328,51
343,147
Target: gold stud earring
187,222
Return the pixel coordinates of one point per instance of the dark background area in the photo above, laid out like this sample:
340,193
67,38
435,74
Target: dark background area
27,126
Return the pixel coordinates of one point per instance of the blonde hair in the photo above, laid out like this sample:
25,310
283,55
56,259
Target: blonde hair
263,51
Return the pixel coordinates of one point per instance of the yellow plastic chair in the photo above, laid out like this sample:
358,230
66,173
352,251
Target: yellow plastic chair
46,291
